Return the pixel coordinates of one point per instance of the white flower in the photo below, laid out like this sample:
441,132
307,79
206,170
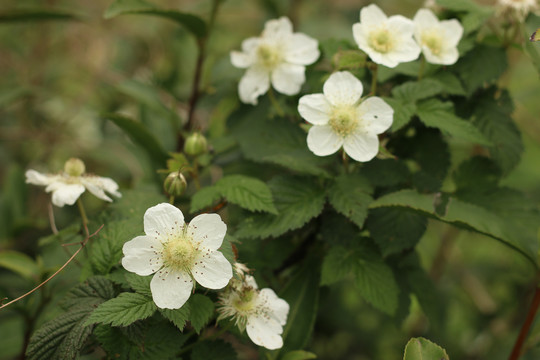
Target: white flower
521,7
278,56
438,39
387,40
341,119
68,185
178,254
260,312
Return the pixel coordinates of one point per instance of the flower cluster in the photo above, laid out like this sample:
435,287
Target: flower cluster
521,8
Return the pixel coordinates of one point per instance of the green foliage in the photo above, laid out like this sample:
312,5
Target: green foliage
246,192
34,15
201,311
123,310
413,91
20,263
216,349
350,196
420,349
178,317
484,64
141,284
299,355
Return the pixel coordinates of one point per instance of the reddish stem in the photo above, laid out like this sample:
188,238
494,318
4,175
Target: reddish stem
518,346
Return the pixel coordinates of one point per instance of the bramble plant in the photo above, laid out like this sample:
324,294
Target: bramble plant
281,201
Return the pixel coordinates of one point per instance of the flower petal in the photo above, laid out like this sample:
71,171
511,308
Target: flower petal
342,88
377,116
322,140
241,60
288,78
96,185
254,83
361,147
163,220
37,178
63,193
277,28
425,18
212,270
264,331
207,230
372,15
453,31
170,288
142,255
315,109
279,307
301,49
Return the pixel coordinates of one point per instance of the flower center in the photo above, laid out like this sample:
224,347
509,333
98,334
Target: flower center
179,253
245,302
269,56
343,120
433,41
74,167
381,41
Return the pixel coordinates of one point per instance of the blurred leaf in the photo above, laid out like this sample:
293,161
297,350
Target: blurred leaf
450,83
191,22
20,263
413,91
386,172
440,115
403,112
201,311
477,174
12,200
349,59
178,317
482,65
140,136
297,200
123,310
423,349
215,349
299,355
219,115
33,15
350,195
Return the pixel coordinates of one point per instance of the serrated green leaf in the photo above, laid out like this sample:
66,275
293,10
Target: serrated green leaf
191,22
91,292
299,355
413,91
423,349
450,83
216,349
465,215
437,114
19,263
141,136
178,317
33,15
482,65
141,284
123,310
403,112
350,195
297,200
201,311
205,198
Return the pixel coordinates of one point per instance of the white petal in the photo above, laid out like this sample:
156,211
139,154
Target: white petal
163,220
322,140
142,255
377,116
288,78
241,60
453,31
212,270
342,88
277,28
250,281
207,230
372,15
279,307
408,50
254,83
64,193
361,147
425,18
315,109
97,186
301,49
37,178
265,332
171,288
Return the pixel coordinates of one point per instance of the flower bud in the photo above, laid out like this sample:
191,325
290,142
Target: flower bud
196,144
74,167
175,184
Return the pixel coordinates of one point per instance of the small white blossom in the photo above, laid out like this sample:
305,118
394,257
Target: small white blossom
178,254
521,8
68,185
341,118
438,39
261,312
387,40
278,56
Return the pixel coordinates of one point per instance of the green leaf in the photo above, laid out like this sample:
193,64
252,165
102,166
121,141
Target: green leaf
205,198
386,172
246,192
191,22
216,349
413,91
141,284
178,317
464,215
91,292
297,200
450,83
477,174
349,59
140,136
350,195
437,114
123,310
484,64
403,112
423,349
33,15
20,263
374,279
201,311
299,355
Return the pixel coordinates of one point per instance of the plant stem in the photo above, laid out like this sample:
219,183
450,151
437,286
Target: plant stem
422,67
345,161
374,71
83,216
275,103
516,351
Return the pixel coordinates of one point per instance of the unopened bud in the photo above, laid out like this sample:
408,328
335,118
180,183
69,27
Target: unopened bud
175,184
196,144
74,167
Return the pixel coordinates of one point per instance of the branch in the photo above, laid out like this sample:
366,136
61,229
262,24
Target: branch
516,351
